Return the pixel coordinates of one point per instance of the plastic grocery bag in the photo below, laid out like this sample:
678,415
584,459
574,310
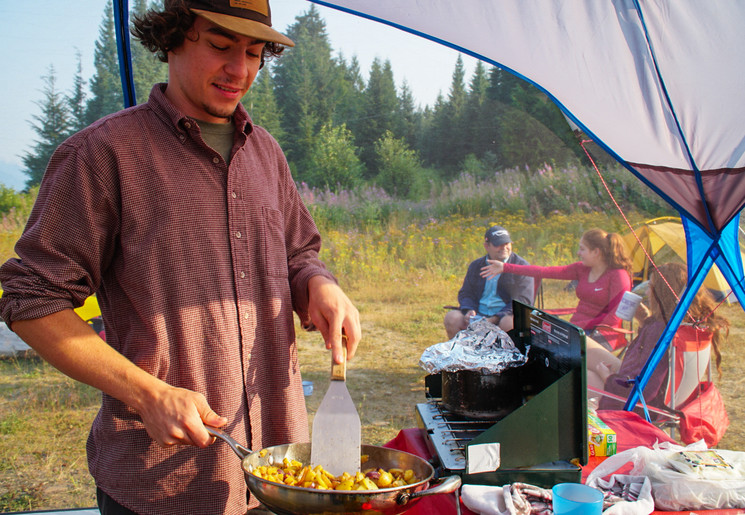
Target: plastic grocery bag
684,478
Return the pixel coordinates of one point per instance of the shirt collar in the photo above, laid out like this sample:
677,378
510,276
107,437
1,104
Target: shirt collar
163,107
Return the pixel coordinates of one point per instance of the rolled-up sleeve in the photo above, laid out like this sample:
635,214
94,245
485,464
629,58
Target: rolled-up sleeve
68,238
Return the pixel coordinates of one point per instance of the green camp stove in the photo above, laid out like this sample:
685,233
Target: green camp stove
544,440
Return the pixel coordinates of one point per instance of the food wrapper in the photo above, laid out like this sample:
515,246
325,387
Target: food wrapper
481,347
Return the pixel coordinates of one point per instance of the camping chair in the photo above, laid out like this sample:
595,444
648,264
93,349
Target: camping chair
690,363
693,408
690,394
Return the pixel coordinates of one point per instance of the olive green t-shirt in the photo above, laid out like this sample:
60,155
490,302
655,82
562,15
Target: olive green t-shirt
219,136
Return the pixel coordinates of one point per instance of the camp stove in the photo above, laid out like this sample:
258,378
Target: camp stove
543,440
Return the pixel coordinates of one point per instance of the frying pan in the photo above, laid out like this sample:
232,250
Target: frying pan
295,500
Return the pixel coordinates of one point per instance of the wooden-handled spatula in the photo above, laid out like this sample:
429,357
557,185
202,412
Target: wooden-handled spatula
336,434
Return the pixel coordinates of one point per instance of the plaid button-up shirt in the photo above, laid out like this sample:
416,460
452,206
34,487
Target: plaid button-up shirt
197,266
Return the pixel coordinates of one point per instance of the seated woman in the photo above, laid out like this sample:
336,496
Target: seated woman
602,275
612,375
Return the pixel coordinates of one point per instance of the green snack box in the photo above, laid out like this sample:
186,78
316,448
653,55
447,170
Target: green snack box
601,439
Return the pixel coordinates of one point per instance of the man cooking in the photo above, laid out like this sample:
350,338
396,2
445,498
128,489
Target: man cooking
490,299
182,216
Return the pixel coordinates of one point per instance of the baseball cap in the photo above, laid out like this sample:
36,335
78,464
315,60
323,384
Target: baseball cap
251,18
498,235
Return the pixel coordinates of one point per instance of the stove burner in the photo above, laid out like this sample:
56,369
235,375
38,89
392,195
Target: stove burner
447,433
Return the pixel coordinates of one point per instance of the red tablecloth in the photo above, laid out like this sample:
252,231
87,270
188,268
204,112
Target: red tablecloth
412,441
631,431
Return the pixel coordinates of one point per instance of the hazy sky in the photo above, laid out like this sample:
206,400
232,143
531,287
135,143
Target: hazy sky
36,35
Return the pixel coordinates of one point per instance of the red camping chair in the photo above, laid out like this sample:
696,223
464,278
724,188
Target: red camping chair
690,393
692,404
690,360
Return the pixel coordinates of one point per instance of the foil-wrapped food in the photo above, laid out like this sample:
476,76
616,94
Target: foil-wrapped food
481,347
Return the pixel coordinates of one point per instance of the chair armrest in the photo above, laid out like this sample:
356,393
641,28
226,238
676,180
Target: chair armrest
619,330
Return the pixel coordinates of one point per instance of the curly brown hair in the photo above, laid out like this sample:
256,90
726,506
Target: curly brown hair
163,31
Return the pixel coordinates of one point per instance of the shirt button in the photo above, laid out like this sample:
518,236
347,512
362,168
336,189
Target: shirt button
242,275
182,137
215,160
237,234
187,125
234,195
248,356
245,315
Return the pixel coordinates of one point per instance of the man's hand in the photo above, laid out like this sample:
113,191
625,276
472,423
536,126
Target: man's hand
176,416
469,315
171,415
332,312
494,268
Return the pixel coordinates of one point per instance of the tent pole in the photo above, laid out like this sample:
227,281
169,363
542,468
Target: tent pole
121,27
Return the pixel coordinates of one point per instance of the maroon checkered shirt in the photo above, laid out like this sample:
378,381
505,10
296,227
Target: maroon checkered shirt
197,266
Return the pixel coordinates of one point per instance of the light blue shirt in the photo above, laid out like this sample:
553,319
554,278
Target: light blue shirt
490,302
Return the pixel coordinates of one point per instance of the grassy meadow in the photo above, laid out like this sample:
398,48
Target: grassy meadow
400,264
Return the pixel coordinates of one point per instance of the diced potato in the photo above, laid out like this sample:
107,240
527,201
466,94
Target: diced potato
368,484
385,479
345,485
293,473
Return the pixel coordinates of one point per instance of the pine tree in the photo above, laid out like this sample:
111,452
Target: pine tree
380,106
348,109
52,127
76,100
408,120
147,69
530,129
307,82
453,135
261,105
106,85
479,126
434,128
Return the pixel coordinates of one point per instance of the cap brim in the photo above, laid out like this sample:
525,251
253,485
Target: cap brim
244,27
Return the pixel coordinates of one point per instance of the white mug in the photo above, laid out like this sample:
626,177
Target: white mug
628,305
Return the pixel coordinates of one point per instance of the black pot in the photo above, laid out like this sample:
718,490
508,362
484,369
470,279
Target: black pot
482,396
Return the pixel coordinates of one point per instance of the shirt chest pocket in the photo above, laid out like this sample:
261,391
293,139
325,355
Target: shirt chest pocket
273,242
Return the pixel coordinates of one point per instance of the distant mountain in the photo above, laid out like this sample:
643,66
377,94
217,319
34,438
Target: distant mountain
12,176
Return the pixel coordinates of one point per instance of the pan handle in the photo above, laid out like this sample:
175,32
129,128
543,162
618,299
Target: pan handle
239,449
448,485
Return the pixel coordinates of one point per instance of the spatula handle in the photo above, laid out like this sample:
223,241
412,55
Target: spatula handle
339,370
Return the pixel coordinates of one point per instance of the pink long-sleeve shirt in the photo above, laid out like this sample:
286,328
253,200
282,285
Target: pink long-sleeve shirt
598,300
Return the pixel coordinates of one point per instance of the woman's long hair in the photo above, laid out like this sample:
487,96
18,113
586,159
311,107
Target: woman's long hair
611,246
662,302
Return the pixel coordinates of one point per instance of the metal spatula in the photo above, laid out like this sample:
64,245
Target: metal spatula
336,427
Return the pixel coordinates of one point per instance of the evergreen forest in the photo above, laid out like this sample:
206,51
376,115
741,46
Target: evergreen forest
349,131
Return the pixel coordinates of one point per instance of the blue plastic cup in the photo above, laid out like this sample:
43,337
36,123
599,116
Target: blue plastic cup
307,388
577,499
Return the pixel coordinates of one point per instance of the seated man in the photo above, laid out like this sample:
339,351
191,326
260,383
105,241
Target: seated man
491,298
